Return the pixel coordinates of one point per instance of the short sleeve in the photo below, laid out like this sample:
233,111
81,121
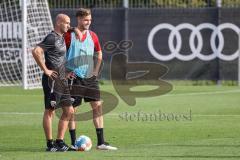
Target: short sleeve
48,42
97,46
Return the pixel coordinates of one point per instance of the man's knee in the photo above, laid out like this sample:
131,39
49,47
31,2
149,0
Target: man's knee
68,112
49,113
96,104
96,108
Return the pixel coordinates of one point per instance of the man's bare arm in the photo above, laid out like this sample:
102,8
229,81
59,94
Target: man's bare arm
98,65
38,56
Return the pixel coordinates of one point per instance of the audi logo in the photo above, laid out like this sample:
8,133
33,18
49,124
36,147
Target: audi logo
195,47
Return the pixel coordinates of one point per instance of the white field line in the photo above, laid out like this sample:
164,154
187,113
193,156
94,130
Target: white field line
172,94
202,93
115,114
20,113
25,95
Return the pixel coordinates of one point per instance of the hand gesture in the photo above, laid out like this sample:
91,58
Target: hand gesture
95,73
71,75
51,74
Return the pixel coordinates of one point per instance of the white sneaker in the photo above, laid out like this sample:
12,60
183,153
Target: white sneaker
106,147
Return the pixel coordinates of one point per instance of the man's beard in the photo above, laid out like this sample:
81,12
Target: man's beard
86,27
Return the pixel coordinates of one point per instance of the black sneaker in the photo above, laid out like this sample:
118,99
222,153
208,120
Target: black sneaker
51,147
62,146
72,148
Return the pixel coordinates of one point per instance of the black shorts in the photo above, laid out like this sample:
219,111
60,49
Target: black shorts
84,88
61,92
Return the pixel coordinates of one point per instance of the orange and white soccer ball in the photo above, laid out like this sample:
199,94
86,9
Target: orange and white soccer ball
83,143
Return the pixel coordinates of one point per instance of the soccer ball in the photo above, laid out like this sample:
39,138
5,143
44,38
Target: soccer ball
83,143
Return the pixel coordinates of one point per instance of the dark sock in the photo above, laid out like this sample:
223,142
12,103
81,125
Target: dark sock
59,140
49,143
73,136
100,136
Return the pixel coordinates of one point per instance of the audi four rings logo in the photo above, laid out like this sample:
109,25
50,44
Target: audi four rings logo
195,47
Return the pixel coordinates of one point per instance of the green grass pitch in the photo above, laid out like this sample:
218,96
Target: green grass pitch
201,122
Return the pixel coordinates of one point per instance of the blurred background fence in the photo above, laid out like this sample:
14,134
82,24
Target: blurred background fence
134,20
143,3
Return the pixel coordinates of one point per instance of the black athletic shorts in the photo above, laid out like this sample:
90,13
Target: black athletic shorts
61,92
84,88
